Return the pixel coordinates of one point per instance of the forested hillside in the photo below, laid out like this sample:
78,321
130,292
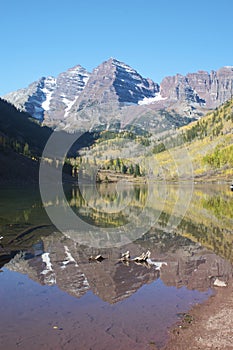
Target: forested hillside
209,144
203,150
22,141
20,132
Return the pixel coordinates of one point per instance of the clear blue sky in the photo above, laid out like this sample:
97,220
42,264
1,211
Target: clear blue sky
158,38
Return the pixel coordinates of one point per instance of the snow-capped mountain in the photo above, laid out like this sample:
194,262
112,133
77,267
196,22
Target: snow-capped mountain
33,99
50,99
112,89
116,92
114,81
58,101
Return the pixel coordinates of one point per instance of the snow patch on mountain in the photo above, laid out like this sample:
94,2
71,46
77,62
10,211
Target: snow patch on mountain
69,104
150,100
49,86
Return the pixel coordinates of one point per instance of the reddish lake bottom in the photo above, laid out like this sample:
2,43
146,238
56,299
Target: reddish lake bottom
45,317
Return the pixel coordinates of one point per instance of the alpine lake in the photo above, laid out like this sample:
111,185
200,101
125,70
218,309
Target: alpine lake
54,294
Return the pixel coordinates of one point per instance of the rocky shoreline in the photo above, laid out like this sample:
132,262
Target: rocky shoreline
207,326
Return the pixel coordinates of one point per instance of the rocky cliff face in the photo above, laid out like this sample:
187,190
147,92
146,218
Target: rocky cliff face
209,90
69,85
77,99
112,86
114,81
178,88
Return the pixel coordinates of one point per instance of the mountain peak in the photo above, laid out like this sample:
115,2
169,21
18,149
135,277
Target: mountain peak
115,62
76,69
51,98
61,101
116,83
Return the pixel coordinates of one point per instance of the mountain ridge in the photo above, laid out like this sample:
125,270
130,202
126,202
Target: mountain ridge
108,93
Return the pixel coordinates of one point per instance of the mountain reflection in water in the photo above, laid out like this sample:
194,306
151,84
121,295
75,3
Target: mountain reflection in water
142,300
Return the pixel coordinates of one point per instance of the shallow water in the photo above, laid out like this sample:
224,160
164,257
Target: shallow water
52,297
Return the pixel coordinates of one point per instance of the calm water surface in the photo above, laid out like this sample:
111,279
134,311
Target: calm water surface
52,297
